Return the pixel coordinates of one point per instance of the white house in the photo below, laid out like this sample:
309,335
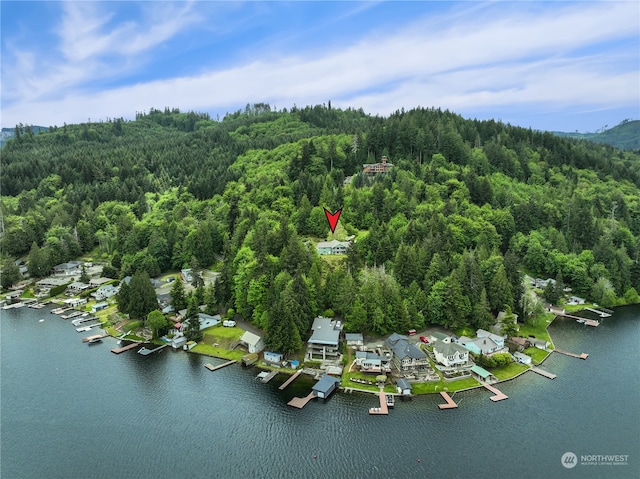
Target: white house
499,340
253,342
522,358
271,357
354,339
332,247
576,300
106,291
450,354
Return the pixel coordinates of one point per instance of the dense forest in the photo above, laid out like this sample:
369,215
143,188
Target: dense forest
444,238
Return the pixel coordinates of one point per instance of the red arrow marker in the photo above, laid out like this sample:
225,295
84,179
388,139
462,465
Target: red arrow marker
333,218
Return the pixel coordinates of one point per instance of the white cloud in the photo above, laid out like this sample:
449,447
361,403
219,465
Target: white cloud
489,57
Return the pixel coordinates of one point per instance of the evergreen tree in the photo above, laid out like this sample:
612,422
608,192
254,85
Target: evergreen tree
192,331
84,277
500,291
157,322
142,296
123,298
10,274
178,300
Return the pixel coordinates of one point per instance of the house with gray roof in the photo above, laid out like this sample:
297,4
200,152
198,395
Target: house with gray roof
438,336
354,339
406,356
325,339
332,247
253,342
451,354
373,363
325,386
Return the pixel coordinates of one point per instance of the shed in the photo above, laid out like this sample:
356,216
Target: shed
99,307
271,357
481,373
404,387
253,342
325,386
354,339
522,358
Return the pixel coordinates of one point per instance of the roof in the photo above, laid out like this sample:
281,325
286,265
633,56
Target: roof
486,334
326,383
520,355
77,285
52,281
99,281
325,331
483,373
403,348
332,244
448,349
354,337
403,383
485,344
518,340
250,338
439,336
394,338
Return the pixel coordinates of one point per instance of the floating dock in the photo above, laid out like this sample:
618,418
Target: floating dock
573,355
125,348
499,395
60,310
602,314
542,372
284,385
301,402
383,409
72,315
211,367
95,337
588,322
146,352
450,404
269,377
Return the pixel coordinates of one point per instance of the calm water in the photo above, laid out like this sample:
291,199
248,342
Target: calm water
69,410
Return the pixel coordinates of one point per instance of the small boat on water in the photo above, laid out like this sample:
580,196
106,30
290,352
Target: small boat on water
391,400
94,341
41,321
262,375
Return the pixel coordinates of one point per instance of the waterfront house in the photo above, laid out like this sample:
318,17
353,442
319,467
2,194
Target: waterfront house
207,321
373,363
539,343
332,247
77,287
406,356
576,300
325,338
325,386
253,342
274,358
482,374
99,307
97,282
521,343
404,387
178,341
373,169
451,354
106,291
354,339
469,344
46,284
522,358
498,340
75,302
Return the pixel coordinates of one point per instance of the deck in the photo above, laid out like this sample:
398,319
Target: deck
284,385
602,314
269,377
450,404
125,348
72,315
301,402
588,322
542,372
146,352
573,355
499,395
383,409
95,337
211,367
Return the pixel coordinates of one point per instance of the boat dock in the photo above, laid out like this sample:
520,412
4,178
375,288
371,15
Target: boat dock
60,310
573,355
95,337
602,314
301,402
72,315
211,367
450,404
86,319
269,377
38,305
146,352
249,359
125,348
588,322
499,395
542,372
284,385
383,409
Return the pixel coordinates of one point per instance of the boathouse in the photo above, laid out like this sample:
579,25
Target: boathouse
99,307
325,386
253,342
522,358
404,387
481,373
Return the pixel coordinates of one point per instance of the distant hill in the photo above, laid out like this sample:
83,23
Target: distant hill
625,136
8,133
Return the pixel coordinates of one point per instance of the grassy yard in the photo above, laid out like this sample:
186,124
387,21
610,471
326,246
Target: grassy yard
217,340
427,388
220,334
537,327
536,354
218,352
509,371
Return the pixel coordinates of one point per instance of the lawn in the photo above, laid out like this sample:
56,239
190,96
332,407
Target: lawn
218,352
536,354
427,388
537,327
509,371
220,334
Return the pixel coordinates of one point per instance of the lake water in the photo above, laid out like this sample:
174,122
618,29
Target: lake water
69,410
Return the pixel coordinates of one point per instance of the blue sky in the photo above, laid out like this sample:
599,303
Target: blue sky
547,65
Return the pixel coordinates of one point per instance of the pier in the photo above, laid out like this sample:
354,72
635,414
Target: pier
588,322
383,409
542,372
146,352
211,367
573,355
301,402
284,385
72,315
602,314
499,395
450,404
125,348
268,377
60,310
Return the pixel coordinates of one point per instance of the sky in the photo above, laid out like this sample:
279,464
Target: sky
563,66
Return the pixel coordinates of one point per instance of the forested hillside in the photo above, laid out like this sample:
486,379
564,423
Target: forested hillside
625,136
443,238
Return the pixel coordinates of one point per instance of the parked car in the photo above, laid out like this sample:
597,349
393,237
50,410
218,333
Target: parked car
227,323
424,340
412,332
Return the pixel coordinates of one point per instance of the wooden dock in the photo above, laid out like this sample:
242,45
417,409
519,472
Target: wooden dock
383,409
211,367
269,377
588,322
72,315
602,314
542,372
95,337
284,385
450,404
125,348
301,402
573,355
499,395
